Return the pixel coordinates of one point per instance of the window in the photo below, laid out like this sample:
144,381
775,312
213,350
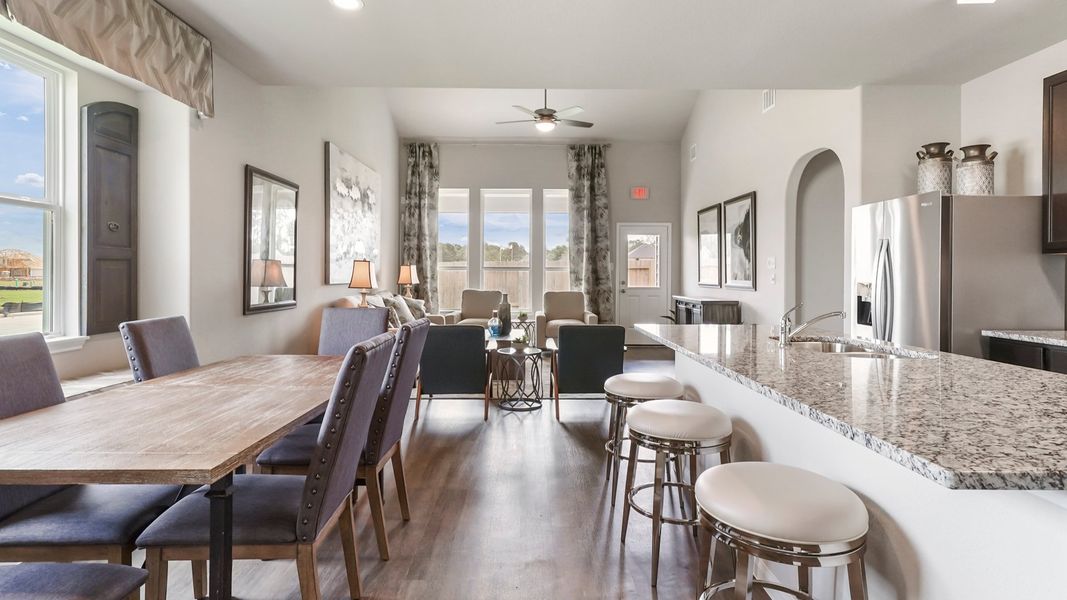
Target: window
506,244
642,258
453,243
30,192
557,250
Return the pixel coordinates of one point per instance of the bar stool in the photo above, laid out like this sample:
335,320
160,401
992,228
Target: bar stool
673,429
624,391
784,515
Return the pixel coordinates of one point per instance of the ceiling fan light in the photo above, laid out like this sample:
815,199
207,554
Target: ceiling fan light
545,126
348,4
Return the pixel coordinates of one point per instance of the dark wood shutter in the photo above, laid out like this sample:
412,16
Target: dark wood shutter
1055,164
109,216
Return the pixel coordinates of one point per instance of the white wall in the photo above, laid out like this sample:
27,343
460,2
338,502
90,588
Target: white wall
820,264
740,149
490,165
1004,108
281,130
897,121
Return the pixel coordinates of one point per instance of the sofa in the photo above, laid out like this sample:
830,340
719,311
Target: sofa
401,310
561,308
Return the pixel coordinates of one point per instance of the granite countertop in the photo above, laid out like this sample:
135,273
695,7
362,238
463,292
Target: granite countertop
1049,337
962,422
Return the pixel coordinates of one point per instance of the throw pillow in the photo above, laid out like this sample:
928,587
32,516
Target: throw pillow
417,307
401,308
394,320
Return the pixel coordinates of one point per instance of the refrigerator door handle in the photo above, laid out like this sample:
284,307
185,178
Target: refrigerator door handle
882,294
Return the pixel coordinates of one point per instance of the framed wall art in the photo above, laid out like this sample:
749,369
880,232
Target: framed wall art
353,214
739,230
709,246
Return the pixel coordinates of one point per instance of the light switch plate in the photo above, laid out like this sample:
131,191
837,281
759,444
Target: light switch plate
770,263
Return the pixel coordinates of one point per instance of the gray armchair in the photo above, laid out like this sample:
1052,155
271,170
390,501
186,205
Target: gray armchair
78,522
561,308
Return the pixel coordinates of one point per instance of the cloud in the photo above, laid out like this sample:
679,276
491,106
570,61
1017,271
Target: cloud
30,179
3,114
22,118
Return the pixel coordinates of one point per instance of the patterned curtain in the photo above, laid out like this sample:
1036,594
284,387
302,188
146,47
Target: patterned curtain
590,229
418,218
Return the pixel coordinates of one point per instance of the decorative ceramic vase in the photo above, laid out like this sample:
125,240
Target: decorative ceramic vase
504,311
974,174
494,325
935,168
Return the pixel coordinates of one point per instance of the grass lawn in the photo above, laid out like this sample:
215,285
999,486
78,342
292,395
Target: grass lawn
21,296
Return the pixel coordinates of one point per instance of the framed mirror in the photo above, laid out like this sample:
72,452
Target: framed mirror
709,243
270,242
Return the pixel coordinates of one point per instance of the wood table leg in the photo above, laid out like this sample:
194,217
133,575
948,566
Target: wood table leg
220,565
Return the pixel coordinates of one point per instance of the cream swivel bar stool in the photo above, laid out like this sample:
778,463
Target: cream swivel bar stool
624,391
784,515
673,429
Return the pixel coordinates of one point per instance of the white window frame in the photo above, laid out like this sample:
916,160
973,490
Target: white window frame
528,194
467,193
544,224
61,303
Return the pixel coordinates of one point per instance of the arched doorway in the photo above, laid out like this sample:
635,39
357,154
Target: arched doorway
820,232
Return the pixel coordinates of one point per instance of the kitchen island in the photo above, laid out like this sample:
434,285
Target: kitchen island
962,462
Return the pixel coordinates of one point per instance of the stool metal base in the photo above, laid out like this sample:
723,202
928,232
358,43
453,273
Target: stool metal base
748,546
666,451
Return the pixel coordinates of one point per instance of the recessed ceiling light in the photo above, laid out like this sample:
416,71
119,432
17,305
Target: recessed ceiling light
975,1
348,4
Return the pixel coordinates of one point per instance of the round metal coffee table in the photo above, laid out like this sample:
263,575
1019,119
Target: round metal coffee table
521,387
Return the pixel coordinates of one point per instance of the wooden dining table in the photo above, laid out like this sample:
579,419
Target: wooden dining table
193,427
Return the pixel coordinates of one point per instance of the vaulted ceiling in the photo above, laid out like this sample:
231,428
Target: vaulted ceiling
623,44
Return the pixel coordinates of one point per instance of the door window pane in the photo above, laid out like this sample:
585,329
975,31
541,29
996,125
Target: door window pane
453,244
557,251
22,132
642,261
25,244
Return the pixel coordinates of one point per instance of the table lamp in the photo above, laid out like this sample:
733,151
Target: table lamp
409,276
363,279
266,274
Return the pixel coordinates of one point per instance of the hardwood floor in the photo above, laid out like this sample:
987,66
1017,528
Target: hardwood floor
516,508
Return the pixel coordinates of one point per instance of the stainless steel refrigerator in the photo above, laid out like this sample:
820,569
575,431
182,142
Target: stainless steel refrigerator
933,271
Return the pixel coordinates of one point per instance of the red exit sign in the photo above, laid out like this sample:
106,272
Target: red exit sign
640,192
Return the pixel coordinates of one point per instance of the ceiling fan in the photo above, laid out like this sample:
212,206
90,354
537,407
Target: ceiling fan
545,119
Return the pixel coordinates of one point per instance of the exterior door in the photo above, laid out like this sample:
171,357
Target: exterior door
643,268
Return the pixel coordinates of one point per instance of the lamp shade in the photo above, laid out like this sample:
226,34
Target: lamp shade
408,275
267,274
363,275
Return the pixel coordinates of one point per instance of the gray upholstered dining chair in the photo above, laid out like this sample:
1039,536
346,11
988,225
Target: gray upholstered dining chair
292,454
158,347
63,523
585,357
343,328
288,516
65,581
454,362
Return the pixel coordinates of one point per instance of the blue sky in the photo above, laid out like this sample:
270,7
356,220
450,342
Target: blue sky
22,229
21,132
502,228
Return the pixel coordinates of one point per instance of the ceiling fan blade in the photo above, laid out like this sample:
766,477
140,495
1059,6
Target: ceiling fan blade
510,122
569,111
524,109
575,123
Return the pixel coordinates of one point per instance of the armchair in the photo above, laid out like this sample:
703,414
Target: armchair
561,308
476,307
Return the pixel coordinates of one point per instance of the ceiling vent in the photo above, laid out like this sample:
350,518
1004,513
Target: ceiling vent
768,100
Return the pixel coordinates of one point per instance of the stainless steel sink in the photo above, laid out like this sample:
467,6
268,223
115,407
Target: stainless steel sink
843,349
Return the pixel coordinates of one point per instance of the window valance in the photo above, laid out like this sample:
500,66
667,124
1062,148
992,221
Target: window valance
138,38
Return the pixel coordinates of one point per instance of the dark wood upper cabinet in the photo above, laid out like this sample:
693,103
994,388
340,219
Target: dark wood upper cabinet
109,213
1054,166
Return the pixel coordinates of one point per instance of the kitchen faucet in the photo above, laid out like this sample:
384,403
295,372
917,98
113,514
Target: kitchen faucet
785,326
